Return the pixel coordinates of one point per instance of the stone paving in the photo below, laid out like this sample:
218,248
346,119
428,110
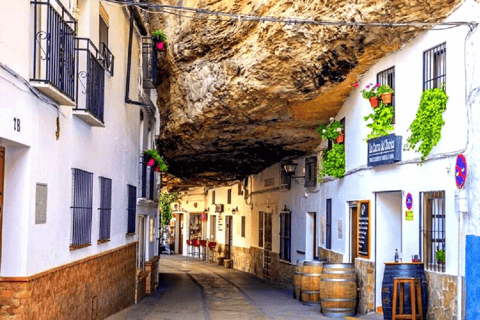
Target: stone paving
193,290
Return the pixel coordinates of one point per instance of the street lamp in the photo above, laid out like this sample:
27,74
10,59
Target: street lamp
290,168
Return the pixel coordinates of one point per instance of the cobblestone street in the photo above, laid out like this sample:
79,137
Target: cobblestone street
199,290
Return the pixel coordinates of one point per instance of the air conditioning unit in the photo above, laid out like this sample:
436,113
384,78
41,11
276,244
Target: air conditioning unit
219,208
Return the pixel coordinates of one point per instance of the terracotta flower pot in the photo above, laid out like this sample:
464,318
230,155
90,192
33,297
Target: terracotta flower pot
151,162
340,138
387,98
373,102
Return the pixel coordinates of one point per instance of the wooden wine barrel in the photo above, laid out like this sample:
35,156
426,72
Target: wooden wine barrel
338,290
402,269
310,288
297,280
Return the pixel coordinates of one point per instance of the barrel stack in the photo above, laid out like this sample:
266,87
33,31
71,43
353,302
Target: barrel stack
310,287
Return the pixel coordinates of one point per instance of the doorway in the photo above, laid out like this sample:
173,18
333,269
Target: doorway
2,178
228,237
267,249
353,231
311,236
388,235
141,243
213,228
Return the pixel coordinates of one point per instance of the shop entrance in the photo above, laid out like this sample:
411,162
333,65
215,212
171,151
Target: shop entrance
388,217
311,236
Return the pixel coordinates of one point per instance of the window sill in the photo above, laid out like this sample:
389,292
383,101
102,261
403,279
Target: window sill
130,234
80,246
103,241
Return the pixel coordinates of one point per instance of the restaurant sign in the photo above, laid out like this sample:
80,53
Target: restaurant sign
384,150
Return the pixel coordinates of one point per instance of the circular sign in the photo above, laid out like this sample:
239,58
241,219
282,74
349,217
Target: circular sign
409,201
460,171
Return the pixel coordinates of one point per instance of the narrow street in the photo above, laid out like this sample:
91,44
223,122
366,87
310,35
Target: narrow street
198,290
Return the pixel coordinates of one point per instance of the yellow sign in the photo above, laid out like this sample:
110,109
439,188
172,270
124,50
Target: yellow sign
409,215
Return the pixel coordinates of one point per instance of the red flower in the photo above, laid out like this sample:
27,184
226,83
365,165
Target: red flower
356,85
151,162
377,85
157,169
161,46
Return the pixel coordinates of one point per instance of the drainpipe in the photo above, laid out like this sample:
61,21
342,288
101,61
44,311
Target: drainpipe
463,208
129,62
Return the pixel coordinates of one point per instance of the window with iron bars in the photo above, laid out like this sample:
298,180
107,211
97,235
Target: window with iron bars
432,229
147,177
105,208
131,208
310,172
285,179
328,227
435,67
260,229
82,197
387,76
285,231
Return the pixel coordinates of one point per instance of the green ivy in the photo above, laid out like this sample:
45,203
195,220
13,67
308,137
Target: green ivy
165,201
330,132
159,35
427,127
333,162
440,255
381,121
158,160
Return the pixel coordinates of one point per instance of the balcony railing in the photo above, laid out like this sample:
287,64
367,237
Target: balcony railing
107,58
147,176
54,51
90,93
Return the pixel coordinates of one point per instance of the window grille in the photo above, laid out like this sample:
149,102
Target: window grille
143,168
82,197
435,67
213,197
260,229
285,231
328,240
387,76
105,207
151,186
310,172
53,46
229,196
433,230
243,227
132,208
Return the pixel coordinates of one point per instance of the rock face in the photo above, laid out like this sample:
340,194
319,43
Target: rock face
238,96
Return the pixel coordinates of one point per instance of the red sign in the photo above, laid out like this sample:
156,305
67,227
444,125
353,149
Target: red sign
460,171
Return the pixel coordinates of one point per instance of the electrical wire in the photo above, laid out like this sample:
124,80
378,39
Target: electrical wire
247,17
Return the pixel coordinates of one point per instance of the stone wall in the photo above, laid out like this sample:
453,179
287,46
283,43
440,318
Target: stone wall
330,256
91,288
151,267
242,259
141,286
365,271
442,296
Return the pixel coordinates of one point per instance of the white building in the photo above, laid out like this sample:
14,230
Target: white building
77,208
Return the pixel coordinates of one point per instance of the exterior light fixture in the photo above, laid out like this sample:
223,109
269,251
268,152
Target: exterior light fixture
290,167
234,210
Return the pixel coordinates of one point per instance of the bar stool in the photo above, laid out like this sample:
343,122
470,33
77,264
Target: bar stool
189,249
202,254
196,244
415,298
211,247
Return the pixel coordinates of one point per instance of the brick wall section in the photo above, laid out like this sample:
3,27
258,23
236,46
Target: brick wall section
442,296
330,256
92,288
365,271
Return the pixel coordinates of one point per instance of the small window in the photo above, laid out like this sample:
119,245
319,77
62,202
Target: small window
260,229
132,208
285,179
435,67
310,172
240,192
82,199
103,31
243,227
285,230
105,207
213,197
433,230
388,77
328,240
229,196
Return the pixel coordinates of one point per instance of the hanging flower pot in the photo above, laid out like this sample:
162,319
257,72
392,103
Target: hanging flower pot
151,162
373,102
161,46
387,98
340,138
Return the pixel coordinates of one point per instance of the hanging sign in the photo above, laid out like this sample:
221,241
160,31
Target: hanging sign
409,201
409,215
384,150
460,171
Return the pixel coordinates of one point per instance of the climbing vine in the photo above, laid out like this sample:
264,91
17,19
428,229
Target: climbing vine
333,162
381,121
165,200
426,129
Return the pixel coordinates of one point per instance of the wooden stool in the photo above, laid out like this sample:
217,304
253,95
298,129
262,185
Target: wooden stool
415,297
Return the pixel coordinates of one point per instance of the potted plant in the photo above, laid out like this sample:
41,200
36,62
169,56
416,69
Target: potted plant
385,92
331,131
165,201
370,93
160,40
333,162
440,256
426,128
340,138
158,164
381,124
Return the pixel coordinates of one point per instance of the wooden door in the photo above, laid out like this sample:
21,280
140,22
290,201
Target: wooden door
180,234
267,252
354,235
228,237
2,177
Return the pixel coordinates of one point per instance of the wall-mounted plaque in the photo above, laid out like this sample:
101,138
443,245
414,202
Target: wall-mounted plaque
384,150
41,204
363,246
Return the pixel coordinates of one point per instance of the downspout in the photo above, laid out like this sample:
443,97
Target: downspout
129,62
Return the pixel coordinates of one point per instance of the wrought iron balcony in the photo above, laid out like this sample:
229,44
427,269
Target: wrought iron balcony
149,58
90,91
54,51
106,58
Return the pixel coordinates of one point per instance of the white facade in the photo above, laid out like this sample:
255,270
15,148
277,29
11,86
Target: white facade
52,140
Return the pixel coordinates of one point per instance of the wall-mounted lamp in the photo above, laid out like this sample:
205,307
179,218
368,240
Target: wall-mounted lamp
290,168
234,210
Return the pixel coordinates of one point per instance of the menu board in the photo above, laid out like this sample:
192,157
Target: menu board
364,229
